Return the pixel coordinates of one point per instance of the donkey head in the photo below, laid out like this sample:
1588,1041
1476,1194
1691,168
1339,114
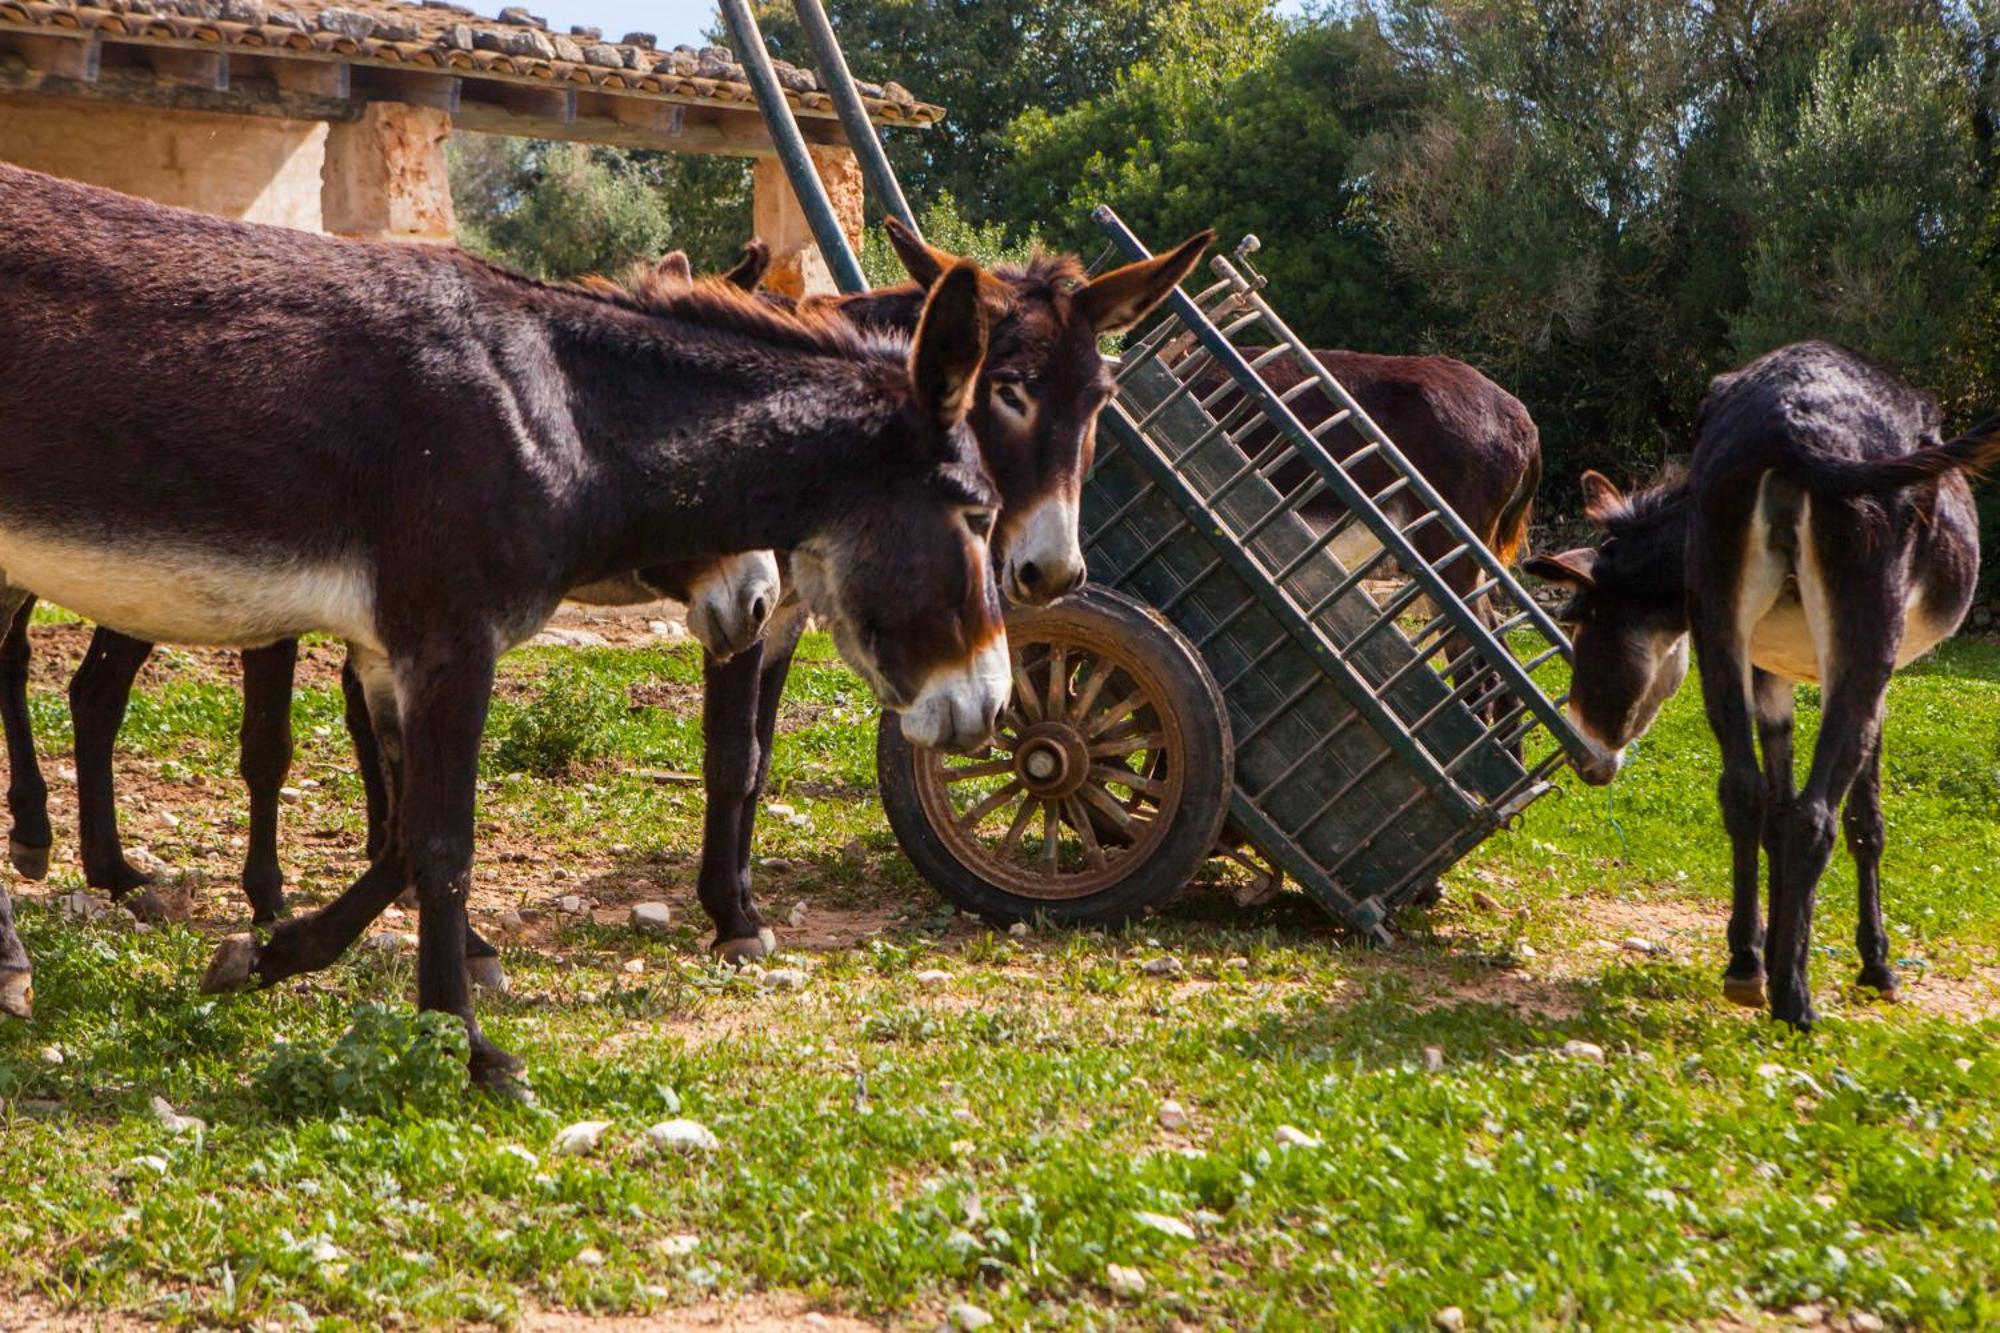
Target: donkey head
900,576
1035,407
1627,616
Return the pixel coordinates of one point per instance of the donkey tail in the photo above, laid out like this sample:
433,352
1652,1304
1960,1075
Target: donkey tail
1510,534
1975,451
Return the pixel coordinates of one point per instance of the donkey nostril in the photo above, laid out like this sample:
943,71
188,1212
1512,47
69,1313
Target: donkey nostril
759,609
1030,574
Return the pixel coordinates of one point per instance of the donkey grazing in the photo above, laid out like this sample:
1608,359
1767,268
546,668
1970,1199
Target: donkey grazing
420,453
1824,535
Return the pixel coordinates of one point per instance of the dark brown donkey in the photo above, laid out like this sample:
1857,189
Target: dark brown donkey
1823,534
419,453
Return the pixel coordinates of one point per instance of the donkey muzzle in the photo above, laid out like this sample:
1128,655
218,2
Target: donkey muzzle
957,707
729,608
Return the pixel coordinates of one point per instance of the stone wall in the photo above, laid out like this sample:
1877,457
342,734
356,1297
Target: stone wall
797,268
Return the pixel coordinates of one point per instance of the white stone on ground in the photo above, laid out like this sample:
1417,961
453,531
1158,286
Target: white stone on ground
590,1257
634,966
571,905
967,1317
1433,1059
1588,1051
52,1055
783,978
650,918
1173,1116
1634,944
1125,1281
932,976
797,917
173,1121
682,1136
291,795
579,1138
1019,930
677,1245
515,1150
1166,966
1165,1225
1451,1319
1291,1136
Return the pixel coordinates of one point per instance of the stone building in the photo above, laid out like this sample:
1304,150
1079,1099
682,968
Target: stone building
333,117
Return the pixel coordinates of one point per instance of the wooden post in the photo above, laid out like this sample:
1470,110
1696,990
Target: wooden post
796,266
385,175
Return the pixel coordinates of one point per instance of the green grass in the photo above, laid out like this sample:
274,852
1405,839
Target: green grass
888,1147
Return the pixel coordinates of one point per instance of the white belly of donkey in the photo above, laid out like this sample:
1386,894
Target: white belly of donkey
1783,642
169,595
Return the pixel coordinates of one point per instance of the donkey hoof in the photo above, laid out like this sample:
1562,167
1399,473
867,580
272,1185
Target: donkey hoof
1880,980
498,1072
17,992
747,948
485,973
32,862
147,905
407,899
233,968
1746,991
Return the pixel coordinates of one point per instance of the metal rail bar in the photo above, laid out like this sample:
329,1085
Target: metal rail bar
791,146
862,136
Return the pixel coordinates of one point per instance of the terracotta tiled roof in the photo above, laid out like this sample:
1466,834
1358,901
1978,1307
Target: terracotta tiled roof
452,39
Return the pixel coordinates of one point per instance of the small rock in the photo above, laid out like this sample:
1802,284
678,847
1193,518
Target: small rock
1019,930
600,54
567,48
797,916
1807,1314
1125,1281
783,978
1768,1171
1768,1070
1485,901
348,23
52,1055
932,976
1963,1064
1525,952
81,906
967,1318
535,42
511,919
393,941
854,852
682,1136
147,862
650,918
677,1245
779,810
1863,1322
644,40
1588,1051
897,93
1164,966
589,34
515,1150
173,1121
571,905
579,1138
1451,1319
633,966
590,1257
152,1162
170,819
1634,944
1236,965
557,636
396,30
1291,1136
1433,1059
1172,1115
776,865
1166,1226
326,1252
519,16
457,37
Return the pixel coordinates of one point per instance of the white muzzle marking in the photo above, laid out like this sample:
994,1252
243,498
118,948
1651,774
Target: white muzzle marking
729,609
956,707
1600,763
1046,540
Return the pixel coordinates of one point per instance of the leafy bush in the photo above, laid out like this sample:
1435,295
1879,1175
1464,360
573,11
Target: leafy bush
389,1062
566,724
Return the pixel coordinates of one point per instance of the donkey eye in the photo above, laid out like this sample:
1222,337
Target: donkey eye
1010,394
981,523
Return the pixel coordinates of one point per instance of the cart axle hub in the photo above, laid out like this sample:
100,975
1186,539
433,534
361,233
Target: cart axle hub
1052,760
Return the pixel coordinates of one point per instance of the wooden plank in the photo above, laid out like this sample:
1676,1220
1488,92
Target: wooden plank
666,119
697,135
139,87
542,102
190,69
409,86
316,78
65,57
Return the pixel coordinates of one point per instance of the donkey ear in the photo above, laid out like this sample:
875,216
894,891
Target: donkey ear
1113,302
1602,500
749,270
1576,569
920,261
674,266
950,346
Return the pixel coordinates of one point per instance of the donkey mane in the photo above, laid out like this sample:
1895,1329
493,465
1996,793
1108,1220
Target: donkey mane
1045,277
1643,513
719,305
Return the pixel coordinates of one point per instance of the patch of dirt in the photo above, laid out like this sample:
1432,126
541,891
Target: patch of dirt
761,1313
26,1312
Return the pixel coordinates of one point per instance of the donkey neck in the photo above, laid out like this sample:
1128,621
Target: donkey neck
699,440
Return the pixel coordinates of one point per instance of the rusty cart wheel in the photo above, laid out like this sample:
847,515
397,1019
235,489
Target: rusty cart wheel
1108,780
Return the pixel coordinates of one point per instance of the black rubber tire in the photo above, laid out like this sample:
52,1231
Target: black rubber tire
1181,685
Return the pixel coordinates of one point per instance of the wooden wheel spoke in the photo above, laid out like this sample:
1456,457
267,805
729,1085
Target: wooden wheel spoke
1051,846
1026,697
986,769
991,802
1127,744
1079,819
1130,829
1112,775
1025,813
1117,713
1058,683
1093,685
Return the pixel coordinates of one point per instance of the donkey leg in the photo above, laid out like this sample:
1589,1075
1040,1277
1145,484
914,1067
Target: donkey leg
1772,698
367,756
1862,819
445,698
29,840
781,644
17,976
98,694
1742,794
729,775
265,757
